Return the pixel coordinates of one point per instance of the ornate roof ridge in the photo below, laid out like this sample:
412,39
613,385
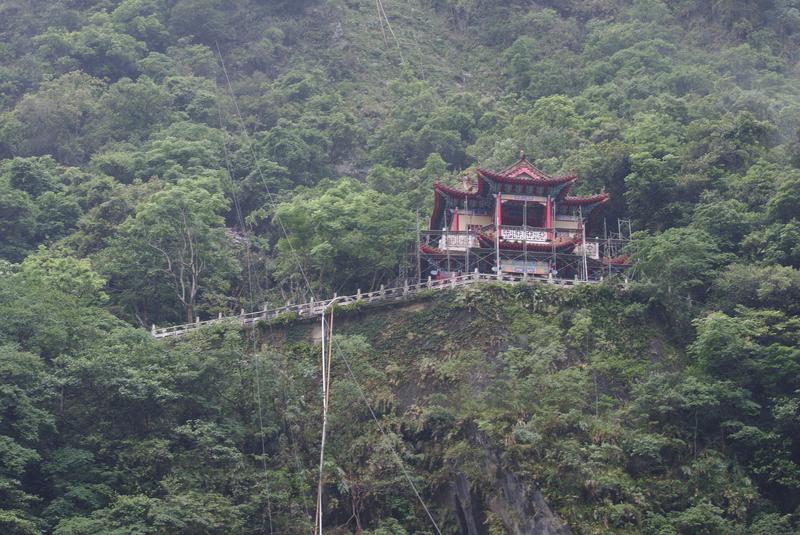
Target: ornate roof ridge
542,180
524,163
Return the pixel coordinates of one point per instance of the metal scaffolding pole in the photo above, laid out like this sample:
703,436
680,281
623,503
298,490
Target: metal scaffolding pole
497,239
583,245
419,258
525,239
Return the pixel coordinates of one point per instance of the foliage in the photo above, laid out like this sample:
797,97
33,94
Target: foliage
134,190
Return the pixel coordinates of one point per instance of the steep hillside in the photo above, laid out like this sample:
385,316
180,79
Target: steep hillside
512,409
168,160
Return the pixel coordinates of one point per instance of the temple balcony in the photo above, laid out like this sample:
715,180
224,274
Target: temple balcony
524,233
458,241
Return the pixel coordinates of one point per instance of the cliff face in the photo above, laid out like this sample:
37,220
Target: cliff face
504,403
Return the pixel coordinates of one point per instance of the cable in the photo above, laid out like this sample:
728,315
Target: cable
246,135
389,25
257,362
308,284
400,463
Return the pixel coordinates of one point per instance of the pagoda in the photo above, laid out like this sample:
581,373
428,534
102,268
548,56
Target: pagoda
516,221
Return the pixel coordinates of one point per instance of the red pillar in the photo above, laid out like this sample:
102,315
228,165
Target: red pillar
548,218
499,215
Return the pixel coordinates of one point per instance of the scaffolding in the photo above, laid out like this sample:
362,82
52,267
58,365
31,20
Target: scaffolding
446,252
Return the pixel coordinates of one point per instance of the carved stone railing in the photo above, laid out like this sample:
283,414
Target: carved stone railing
407,291
529,234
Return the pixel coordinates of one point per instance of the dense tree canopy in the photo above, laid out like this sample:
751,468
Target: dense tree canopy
141,184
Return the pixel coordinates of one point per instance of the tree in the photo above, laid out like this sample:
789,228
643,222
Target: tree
34,176
22,394
727,221
18,215
133,107
50,304
785,204
204,19
177,239
730,143
770,286
651,189
58,118
679,260
343,234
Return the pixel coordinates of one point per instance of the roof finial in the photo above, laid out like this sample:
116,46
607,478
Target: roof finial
522,154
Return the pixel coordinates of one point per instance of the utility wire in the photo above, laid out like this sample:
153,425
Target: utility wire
385,435
363,396
272,201
389,25
257,360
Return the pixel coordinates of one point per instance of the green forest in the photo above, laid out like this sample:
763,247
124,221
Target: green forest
168,160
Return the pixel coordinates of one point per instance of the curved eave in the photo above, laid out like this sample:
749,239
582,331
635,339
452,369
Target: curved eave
623,260
443,190
505,179
587,200
455,192
427,249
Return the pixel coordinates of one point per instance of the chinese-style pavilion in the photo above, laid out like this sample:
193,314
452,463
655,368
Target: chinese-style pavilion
520,218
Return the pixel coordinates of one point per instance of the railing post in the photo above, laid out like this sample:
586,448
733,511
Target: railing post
475,274
358,295
383,291
405,287
430,282
197,320
153,329
550,278
453,280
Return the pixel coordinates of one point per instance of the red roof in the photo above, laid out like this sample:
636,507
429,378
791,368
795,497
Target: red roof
521,172
427,249
460,193
585,200
525,168
524,178
524,172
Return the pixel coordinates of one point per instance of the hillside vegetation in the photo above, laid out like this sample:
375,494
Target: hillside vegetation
142,183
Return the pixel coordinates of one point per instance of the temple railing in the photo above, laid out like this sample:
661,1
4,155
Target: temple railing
524,233
407,291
